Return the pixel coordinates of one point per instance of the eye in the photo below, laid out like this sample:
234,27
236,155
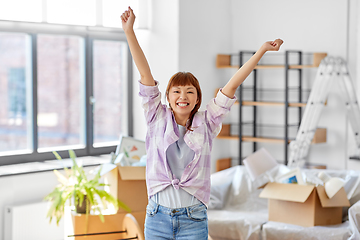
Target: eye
190,92
176,91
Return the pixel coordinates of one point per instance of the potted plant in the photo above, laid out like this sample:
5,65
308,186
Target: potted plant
76,189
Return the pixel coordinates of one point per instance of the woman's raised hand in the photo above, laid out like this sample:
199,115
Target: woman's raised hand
272,45
128,19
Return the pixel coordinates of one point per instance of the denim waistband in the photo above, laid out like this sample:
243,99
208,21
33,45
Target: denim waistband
154,207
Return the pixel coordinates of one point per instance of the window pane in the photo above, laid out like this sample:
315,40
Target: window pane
77,12
60,80
21,10
112,9
15,79
110,91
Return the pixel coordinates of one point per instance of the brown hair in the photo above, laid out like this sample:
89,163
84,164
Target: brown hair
183,79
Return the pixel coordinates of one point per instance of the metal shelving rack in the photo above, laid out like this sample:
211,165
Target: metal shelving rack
224,61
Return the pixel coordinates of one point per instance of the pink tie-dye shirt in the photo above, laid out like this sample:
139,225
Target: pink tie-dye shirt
162,131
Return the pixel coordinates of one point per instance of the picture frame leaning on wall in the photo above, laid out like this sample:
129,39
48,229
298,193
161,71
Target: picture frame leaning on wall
129,151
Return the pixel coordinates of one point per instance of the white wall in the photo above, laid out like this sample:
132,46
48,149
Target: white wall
354,65
309,26
24,189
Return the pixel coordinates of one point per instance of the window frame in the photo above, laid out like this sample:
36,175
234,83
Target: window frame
89,35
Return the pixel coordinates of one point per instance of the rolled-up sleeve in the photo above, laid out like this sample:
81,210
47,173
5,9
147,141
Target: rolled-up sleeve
224,101
149,91
151,100
216,111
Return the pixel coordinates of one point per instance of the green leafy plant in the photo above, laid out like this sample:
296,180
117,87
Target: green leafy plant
72,189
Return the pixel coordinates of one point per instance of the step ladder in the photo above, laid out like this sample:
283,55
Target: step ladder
330,70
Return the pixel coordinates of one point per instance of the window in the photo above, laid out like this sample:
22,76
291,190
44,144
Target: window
10,10
62,88
17,93
78,12
110,90
14,88
110,11
60,77
103,13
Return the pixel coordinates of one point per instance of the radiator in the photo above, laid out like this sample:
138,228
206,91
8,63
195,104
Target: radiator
29,222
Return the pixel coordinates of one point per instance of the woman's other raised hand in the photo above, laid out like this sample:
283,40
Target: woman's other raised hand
272,45
128,19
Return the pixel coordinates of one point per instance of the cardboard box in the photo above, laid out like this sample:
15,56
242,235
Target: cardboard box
128,184
94,229
303,205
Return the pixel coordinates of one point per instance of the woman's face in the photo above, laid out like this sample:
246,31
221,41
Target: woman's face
183,99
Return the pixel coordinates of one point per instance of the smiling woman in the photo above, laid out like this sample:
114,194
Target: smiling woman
178,158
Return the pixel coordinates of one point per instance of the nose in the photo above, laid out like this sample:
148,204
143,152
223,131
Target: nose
183,96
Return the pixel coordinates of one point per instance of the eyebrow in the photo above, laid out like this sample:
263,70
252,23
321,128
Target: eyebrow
191,87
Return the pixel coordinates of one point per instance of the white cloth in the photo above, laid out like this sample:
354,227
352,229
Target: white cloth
354,219
239,214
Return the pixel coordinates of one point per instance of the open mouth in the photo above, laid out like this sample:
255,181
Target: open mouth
182,104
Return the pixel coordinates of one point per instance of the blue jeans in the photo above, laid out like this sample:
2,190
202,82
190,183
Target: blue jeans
189,223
